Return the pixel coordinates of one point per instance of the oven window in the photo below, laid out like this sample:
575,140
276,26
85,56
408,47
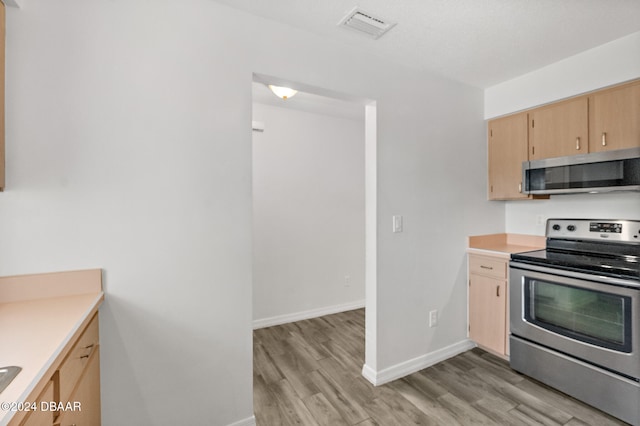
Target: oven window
595,317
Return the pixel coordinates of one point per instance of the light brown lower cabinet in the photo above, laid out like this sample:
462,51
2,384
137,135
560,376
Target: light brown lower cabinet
72,394
40,417
85,396
488,320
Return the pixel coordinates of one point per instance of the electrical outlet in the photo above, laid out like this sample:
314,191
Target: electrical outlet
433,318
347,280
539,220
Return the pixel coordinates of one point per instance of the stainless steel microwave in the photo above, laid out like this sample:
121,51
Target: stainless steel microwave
596,172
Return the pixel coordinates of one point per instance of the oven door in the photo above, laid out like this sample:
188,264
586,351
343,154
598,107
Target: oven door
590,317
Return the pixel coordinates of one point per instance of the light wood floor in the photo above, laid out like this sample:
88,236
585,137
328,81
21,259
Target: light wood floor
308,373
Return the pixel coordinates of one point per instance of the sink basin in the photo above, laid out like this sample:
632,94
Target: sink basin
7,374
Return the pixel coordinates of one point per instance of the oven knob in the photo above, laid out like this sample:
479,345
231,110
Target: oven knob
556,227
571,228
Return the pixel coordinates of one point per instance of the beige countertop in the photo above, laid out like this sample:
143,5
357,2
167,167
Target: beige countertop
36,332
503,245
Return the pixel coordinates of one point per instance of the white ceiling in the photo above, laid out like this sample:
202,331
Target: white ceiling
478,42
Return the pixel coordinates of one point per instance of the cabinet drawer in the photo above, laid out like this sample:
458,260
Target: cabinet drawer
496,268
72,367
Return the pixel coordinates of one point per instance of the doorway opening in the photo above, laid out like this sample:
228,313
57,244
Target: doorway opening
314,205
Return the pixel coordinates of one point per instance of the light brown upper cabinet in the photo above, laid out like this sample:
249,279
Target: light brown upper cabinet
2,29
614,116
559,129
507,150
607,119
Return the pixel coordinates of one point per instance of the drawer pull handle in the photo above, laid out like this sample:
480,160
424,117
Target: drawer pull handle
604,139
90,349
578,143
487,267
498,291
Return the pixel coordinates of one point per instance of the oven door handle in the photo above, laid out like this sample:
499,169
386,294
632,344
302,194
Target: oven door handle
579,275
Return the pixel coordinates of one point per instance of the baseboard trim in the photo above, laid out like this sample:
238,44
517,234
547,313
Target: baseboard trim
312,313
405,368
370,374
249,421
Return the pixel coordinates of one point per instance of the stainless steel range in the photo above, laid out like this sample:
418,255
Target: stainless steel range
575,313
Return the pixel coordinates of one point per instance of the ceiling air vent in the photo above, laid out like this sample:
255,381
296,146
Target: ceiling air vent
365,23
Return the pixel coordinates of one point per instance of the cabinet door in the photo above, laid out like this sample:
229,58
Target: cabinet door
75,363
508,146
87,395
487,312
41,417
560,129
615,118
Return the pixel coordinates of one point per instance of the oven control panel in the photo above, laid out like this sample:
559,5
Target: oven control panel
594,229
614,227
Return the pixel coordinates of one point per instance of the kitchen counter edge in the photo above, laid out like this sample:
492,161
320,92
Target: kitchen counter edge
503,245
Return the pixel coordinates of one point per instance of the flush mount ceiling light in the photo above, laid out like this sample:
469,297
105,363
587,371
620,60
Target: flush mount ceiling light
282,92
366,24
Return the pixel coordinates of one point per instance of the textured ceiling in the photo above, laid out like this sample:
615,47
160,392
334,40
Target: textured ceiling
478,42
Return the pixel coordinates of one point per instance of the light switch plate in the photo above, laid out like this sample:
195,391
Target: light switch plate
433,318
397,223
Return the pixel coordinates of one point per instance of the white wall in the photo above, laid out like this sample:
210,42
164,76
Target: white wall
523,217
121,155
308,213
432,171
129,148
611,63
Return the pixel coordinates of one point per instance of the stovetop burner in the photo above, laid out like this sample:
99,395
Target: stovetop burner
602,247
